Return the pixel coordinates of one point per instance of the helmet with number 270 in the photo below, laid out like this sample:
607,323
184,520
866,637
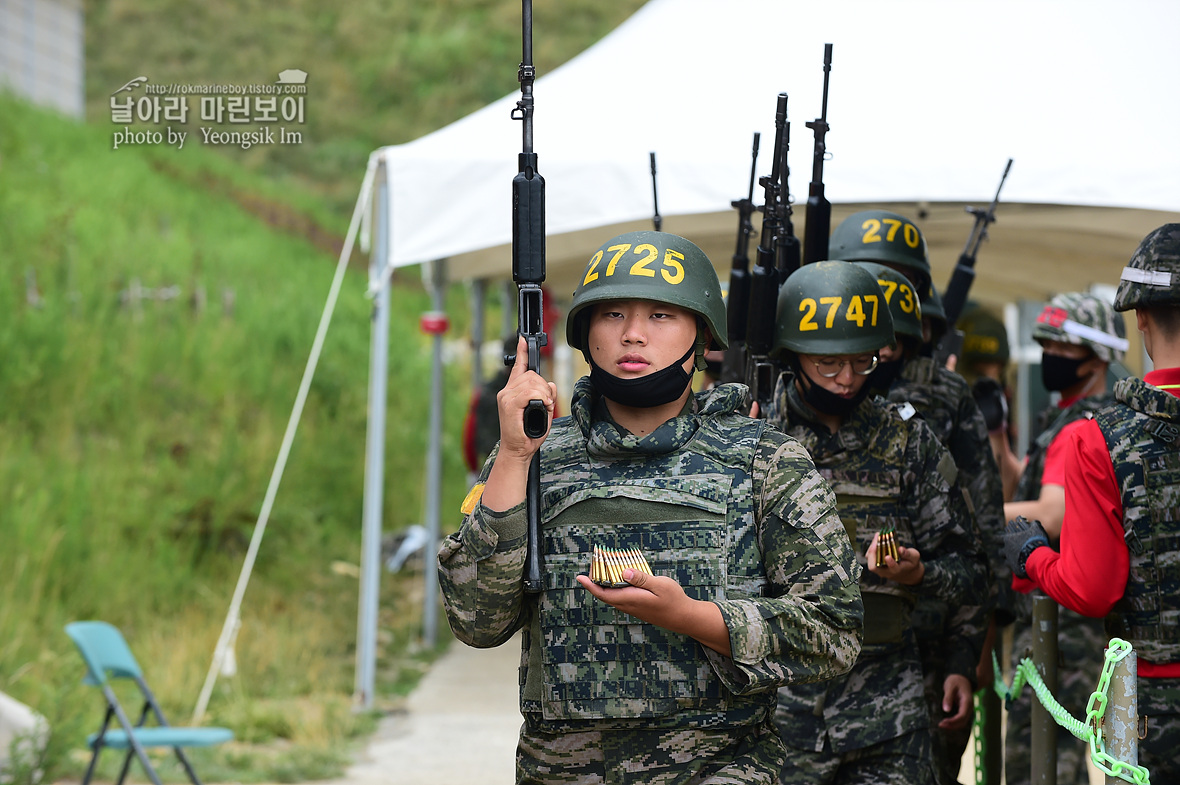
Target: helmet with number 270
654,266
885,237
832,308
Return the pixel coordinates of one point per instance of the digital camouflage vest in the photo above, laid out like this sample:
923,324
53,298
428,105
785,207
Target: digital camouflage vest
1143,436
869,484
867,463
682,495
1029,487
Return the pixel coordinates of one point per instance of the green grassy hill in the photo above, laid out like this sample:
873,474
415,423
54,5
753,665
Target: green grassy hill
139,438
138,435
378,72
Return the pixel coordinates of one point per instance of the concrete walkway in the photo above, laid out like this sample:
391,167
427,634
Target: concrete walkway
460,725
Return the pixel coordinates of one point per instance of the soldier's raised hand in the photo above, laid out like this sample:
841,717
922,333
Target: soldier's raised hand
523,386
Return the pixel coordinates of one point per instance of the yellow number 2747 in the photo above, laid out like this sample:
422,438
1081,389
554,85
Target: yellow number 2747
855,312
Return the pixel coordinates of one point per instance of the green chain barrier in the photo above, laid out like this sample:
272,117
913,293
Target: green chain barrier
1089,731
977,734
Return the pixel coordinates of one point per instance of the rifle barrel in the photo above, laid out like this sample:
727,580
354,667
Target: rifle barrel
656,220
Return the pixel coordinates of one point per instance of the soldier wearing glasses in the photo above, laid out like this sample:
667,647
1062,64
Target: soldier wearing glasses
889,473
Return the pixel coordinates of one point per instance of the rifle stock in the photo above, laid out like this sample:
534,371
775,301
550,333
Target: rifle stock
528,271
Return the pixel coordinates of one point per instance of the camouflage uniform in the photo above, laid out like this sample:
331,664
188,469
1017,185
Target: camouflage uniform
730,508
1142,432
872,723
947,636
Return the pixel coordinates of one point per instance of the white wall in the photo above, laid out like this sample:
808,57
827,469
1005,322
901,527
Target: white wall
42,54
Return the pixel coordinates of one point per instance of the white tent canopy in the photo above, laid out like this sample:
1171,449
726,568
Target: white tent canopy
928,100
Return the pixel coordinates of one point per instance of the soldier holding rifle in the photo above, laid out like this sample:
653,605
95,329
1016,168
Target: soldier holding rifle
668,675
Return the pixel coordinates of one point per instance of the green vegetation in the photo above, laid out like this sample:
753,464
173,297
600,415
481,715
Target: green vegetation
378,72
139,435
139,440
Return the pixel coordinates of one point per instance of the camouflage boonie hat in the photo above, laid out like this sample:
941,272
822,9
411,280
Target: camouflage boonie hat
832,308
1083,320
654,266
985,339
905,306
1152,277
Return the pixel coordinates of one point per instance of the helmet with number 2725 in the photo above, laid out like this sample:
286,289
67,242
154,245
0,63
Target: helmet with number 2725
655,266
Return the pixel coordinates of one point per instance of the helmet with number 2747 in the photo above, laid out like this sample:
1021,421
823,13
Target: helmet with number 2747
832,308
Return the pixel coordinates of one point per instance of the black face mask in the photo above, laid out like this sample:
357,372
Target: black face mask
643,392
882,378
826,402
1059,373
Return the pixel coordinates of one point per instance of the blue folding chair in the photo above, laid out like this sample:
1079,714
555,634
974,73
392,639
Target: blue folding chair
108,657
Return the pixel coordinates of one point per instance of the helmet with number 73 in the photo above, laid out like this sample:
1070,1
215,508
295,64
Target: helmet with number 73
654,266
904,304
884,237
832,308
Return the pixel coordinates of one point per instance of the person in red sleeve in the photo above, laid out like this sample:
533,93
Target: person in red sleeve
1081,335
1120,535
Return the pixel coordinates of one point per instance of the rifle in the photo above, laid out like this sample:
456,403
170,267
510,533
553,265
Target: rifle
819,209
656,220
955,295
788,244
764,280
528,271
739,280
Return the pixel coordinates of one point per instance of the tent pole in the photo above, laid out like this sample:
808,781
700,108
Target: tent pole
478,288
370,588
438,280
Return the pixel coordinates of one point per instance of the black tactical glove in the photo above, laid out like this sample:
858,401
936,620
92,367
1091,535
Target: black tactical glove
990,396
1021,538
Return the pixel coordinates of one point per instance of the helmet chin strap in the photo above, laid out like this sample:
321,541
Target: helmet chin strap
700,347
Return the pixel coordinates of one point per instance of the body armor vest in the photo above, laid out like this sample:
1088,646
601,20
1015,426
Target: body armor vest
1143,436
686,511
869,498
869,488
1029,487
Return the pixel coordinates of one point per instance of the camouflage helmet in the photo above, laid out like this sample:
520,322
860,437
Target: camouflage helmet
985,339
904,305
654,266
1083,320
885,237
832,308
1152,277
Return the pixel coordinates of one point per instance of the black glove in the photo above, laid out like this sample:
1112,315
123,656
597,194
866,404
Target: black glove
990,396
1021,538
